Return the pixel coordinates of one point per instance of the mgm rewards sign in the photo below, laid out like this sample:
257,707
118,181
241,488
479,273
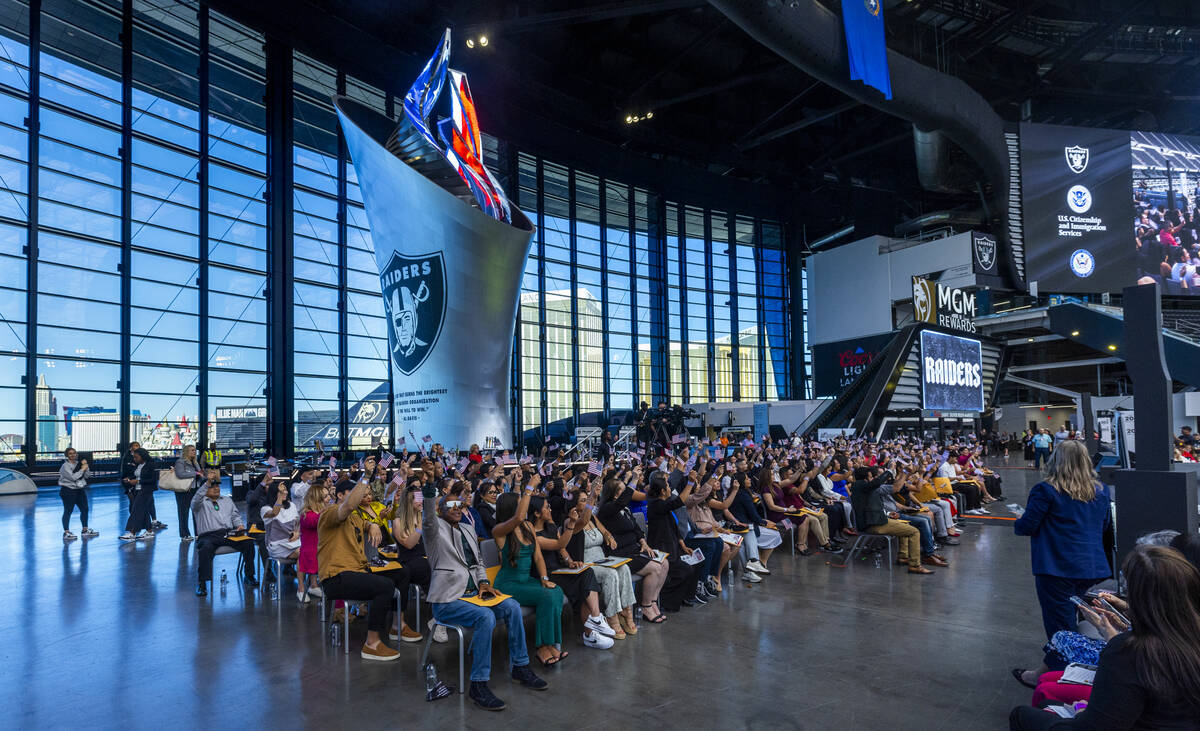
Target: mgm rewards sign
947,307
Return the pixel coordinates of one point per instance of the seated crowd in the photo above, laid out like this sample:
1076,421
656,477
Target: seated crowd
641,535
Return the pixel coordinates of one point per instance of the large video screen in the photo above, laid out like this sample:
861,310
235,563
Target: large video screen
951,372
1075,191
1166,185
1080,235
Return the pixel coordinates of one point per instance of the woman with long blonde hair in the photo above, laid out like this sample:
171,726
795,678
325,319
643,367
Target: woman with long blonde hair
1065,517
410,545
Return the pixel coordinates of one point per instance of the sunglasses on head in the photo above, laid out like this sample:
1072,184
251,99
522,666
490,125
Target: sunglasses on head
453,504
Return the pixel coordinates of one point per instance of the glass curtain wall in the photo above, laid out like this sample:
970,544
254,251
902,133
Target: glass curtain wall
135,282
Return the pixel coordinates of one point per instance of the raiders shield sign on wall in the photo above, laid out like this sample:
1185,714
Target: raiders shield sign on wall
984,248
414,300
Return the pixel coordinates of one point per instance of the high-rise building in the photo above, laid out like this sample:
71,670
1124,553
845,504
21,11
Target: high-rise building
47,415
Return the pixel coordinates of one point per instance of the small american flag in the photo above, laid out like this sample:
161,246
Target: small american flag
427,439
400,442
332,463
386,460
332,475
462,464
397,481
687,467
273,471
594,468
678,439
271,461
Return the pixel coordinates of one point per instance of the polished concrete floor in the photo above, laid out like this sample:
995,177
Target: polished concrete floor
103,634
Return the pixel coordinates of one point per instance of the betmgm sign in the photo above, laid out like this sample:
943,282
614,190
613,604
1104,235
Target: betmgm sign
948,307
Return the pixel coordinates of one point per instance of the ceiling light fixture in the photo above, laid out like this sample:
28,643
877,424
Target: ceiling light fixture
1074,333
1112,347
470,43
483,40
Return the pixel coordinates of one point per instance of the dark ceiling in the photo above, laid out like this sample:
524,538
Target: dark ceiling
561,77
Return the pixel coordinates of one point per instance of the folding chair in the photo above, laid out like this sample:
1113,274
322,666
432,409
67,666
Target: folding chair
489,555
865,539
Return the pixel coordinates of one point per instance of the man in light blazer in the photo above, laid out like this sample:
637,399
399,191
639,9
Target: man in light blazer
457,573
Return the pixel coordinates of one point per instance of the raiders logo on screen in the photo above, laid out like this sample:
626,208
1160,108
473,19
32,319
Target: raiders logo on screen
985,251
414,300
1077,158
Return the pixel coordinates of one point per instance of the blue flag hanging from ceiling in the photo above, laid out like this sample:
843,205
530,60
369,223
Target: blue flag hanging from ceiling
865,44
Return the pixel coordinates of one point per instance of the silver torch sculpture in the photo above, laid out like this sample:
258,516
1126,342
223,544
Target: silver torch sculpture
451,251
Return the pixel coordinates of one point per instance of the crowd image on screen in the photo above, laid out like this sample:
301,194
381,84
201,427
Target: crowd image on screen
1167,237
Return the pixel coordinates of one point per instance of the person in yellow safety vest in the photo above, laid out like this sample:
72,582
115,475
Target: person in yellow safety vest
212,456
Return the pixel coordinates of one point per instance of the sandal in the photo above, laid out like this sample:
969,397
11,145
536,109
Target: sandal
658,619
627,625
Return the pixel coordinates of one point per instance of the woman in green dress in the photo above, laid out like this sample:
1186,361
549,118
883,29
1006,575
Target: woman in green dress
517,542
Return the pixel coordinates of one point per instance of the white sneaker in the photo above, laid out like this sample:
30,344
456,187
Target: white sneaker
302,597
439,632
127,536
758,567
750,576
316,592
597,641
89,533
145,535
597,624
69,536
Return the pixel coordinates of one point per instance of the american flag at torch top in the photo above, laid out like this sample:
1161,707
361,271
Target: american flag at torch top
386,460
594,468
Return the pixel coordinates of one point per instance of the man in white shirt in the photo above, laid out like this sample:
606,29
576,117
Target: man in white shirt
301,487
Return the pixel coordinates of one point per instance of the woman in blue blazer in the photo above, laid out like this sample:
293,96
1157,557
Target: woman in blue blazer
1065,518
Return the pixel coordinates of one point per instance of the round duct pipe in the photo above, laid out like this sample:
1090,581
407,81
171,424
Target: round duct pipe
810,37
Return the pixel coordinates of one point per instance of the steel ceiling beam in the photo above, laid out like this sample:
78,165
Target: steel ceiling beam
584,14
703,91
676,59
788,129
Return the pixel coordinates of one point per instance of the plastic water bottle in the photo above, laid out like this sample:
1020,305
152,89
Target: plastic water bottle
431,679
